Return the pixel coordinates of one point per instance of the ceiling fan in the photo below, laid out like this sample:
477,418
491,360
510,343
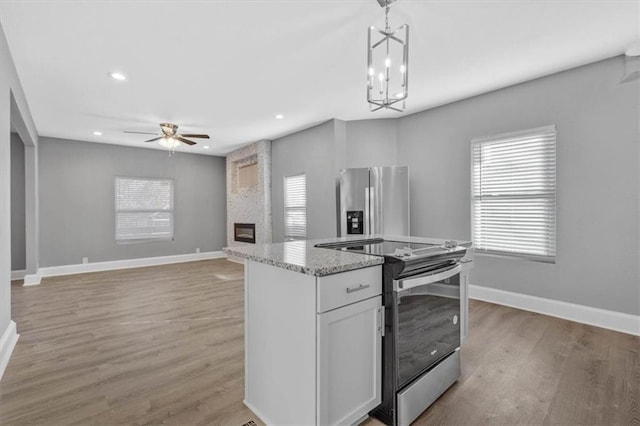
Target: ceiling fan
170,138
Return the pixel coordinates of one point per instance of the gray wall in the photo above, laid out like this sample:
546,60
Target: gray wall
77,217
12,103
18,250
372,143
597,177
320,152
311,151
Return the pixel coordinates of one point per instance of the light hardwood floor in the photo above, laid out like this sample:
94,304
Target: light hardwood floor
165,345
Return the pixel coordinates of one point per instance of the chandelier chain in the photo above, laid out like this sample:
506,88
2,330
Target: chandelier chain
386,17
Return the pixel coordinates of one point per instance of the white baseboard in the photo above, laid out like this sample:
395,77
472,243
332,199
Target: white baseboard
32,279
52,271
7,343
618,321
18,275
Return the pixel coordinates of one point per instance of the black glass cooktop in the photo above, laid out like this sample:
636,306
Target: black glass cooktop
379,247
389,248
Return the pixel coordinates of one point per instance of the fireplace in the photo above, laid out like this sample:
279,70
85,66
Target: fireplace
245,232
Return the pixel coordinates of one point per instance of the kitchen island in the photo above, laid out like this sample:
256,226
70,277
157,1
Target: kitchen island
314,323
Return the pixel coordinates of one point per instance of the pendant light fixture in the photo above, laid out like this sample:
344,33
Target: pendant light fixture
387,65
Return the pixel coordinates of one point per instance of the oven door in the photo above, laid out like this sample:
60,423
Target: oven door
428,320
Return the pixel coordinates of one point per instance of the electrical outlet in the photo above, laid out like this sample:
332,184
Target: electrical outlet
85,260
198,250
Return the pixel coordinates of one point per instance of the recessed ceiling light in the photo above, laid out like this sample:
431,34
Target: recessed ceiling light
97,133
279,116
206,147
117,76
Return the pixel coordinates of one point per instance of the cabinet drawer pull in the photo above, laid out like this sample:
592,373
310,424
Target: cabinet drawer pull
360,287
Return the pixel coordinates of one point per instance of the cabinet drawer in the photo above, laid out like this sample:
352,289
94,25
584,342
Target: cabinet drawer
348,287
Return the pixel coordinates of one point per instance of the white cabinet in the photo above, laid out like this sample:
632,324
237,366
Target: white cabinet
348,287
467,264
349,362
312,345
464,304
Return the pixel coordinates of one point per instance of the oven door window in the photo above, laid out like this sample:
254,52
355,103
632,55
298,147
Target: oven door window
428,326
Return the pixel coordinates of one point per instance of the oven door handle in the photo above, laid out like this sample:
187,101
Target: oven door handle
432,277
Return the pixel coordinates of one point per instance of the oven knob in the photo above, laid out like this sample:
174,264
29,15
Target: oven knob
455,319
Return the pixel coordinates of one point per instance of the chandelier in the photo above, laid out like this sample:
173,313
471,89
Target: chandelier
387,65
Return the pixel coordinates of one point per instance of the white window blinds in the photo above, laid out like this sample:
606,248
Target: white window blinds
295,206
514,194
144,209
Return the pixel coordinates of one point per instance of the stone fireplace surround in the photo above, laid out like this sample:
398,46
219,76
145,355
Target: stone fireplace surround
249,191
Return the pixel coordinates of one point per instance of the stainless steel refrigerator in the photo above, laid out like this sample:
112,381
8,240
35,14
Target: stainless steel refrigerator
374,200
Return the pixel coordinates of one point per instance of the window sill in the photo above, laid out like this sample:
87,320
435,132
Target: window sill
515,256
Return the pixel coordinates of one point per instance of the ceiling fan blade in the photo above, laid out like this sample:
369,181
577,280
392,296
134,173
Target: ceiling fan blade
190,135
187,141
139,133
154,139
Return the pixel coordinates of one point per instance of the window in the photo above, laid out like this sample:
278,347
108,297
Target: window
144,209
295,207
514,194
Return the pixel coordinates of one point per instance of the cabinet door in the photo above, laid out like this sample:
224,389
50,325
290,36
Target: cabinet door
349,362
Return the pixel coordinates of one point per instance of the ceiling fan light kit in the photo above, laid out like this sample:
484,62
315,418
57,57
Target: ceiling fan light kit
387,65
169,142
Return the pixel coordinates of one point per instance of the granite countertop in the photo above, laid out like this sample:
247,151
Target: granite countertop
302,255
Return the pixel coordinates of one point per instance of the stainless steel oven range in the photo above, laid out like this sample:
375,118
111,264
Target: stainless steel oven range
421,341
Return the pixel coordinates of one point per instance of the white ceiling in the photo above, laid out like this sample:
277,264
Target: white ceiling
227,67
